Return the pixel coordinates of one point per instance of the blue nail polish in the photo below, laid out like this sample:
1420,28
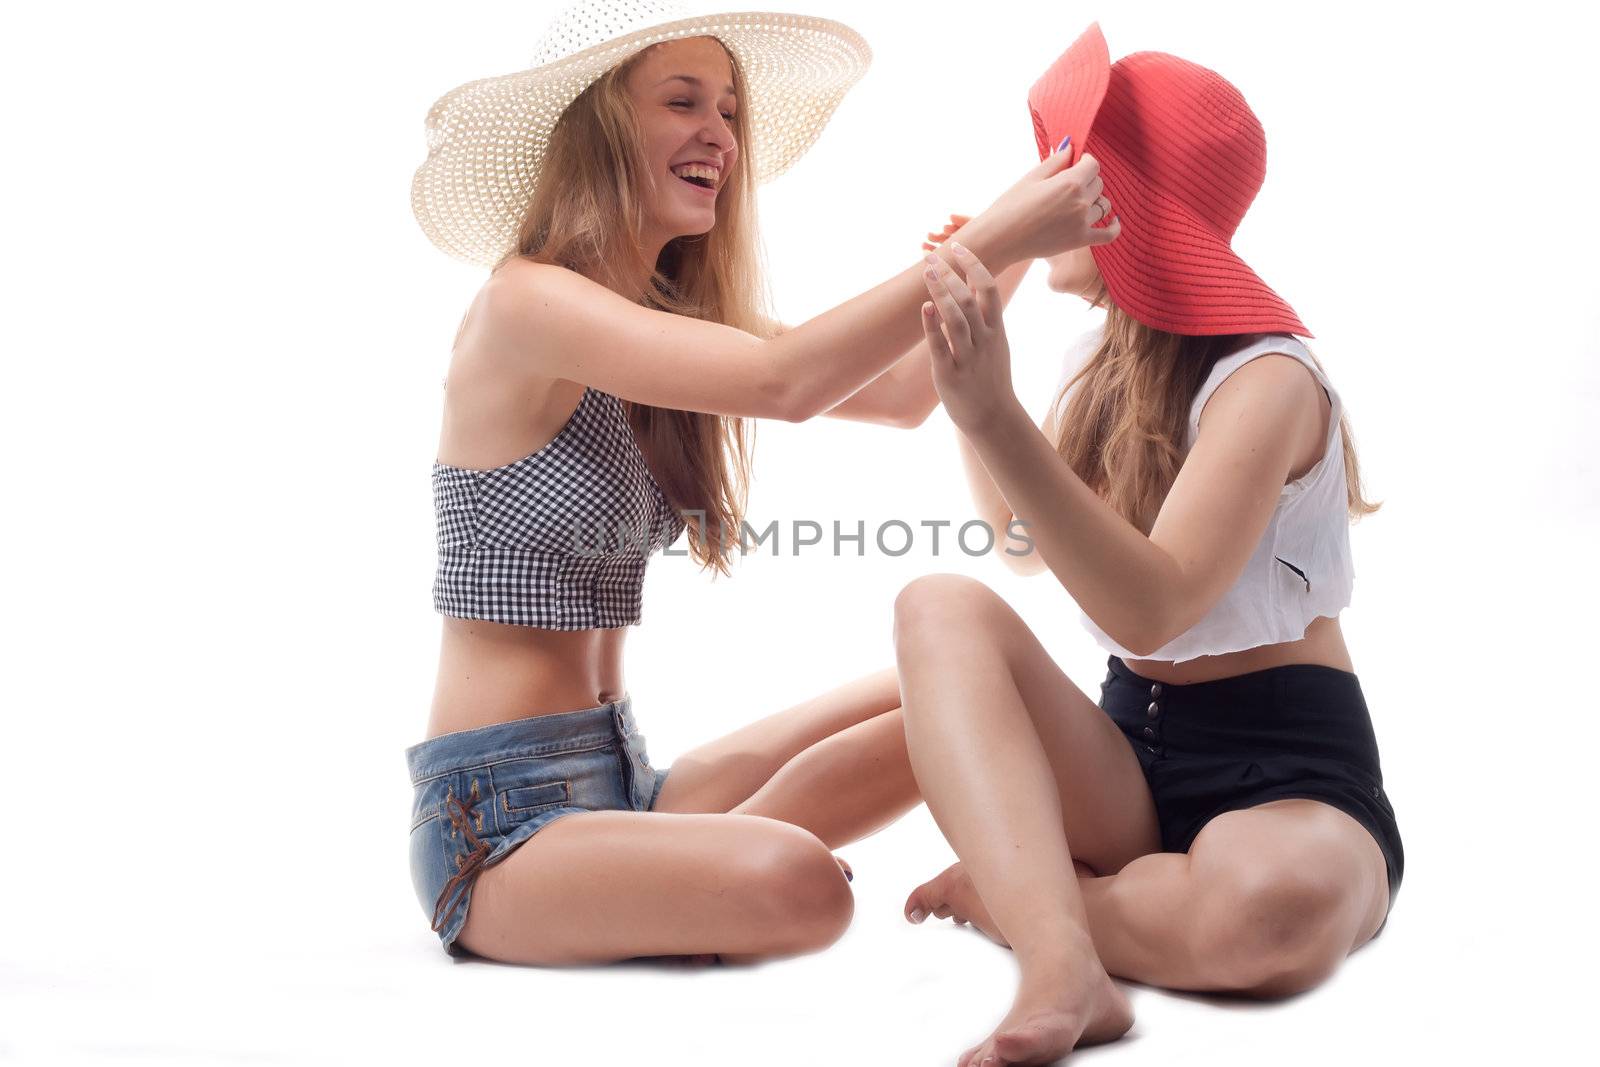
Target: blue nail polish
1064,143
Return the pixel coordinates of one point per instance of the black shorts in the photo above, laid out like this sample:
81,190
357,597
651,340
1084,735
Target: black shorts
1300,730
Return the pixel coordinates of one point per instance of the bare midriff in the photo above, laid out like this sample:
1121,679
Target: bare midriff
491,672
1323,644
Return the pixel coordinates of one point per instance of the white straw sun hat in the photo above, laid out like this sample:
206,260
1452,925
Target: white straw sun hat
487,138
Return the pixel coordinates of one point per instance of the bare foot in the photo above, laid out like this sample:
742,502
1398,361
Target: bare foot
1062,1003
952,895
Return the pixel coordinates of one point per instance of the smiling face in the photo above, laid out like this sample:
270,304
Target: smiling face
1074,272
682,92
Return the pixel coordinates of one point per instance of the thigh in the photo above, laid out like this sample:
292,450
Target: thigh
1283,848
720,775
611,885
1106,806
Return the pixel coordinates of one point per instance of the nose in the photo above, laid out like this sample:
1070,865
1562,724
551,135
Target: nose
717,133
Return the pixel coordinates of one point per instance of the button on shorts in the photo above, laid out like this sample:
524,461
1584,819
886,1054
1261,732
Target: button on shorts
1299,730
478,794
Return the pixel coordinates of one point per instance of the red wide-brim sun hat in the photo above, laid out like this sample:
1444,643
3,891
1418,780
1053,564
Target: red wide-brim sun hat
1182,157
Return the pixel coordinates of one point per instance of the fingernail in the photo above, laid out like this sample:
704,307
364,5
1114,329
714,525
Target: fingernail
958,248
917,915
1066,141
849,877
931,260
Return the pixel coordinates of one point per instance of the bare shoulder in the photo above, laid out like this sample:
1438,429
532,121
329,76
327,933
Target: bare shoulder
1276,381
1281,397
527,305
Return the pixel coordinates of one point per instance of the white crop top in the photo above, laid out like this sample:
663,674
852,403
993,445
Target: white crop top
1301,567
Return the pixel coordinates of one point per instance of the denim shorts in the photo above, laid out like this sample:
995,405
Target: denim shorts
478,794
1299,730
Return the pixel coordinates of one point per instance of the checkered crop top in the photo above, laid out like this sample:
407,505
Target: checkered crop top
557,539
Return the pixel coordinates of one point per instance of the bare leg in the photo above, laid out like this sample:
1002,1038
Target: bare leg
990,786
688,881
1267,902
611,885
723,774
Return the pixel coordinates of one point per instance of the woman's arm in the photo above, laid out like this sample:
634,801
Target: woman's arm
559,324
1020,556
903,396
1142,591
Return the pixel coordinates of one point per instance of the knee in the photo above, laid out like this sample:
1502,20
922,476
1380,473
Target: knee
800,890
932,605
1271,933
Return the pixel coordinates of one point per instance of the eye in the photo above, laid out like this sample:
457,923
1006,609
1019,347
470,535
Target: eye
690,103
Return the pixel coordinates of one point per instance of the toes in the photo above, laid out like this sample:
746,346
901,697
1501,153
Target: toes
1032,1038
922,901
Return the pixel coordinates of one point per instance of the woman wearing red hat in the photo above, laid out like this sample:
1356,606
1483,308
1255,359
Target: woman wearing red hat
1217,821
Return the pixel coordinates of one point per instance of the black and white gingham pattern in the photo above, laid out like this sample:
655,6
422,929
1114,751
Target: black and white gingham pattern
557,539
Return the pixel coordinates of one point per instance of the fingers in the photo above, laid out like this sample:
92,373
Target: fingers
1086,169
956,306
940,349
981,282
1105,235
1056,162
955,223
1102,208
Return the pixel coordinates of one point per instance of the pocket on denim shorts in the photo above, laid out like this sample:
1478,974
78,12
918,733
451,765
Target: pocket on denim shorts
524,787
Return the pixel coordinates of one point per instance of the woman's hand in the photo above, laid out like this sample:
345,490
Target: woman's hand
1053,208
967,341
950,228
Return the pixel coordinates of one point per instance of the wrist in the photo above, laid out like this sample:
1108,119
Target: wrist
987,429
983,239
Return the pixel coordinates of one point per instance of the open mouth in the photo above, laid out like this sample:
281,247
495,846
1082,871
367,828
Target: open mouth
698,175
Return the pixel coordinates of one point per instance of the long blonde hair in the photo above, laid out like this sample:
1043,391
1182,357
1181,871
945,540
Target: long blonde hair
1125,430
587,214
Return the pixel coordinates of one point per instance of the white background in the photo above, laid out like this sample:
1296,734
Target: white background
224,340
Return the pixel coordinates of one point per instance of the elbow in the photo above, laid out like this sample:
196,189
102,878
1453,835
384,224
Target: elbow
1026,564
1018,551
910,418
1143,648
1145,637
787,399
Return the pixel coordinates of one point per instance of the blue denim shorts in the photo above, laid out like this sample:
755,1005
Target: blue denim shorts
478,794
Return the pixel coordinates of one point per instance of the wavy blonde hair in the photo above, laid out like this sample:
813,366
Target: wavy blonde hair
587,214
1124,431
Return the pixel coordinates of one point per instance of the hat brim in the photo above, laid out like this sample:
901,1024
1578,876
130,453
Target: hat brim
1166,268
1066,98
1171,272
487,138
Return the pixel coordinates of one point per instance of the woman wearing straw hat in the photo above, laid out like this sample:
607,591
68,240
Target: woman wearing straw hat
594,401
1218,822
